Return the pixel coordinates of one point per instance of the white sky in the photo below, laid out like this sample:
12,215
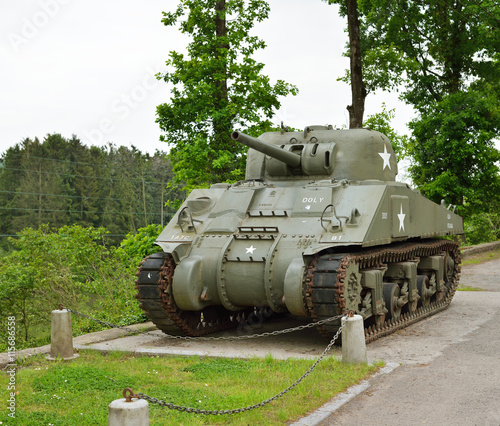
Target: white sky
86,68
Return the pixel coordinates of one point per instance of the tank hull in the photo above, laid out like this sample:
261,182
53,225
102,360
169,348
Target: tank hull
235,259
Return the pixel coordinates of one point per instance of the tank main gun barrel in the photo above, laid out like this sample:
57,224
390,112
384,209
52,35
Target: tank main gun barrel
274,151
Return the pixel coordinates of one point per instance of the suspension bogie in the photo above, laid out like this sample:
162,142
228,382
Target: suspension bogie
390,289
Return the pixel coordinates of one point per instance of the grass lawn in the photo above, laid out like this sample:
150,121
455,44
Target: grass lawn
79,392
468,288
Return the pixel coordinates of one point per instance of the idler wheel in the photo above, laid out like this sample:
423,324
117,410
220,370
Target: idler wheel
392,294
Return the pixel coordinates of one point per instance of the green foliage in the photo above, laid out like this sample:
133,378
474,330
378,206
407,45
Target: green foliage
438,47
453,150
443,59
482,228
381,122
69,266
385,68
137,246
218,87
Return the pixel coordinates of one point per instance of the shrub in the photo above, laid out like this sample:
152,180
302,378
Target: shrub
482,228
69,266
136,247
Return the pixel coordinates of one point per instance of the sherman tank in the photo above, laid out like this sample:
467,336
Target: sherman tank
319,228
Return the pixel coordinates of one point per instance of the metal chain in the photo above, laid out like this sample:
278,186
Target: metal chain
238,410
244,337
250,407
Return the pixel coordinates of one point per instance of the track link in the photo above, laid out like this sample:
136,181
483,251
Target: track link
325,283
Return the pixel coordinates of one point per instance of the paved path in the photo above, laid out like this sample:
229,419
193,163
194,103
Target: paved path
450,365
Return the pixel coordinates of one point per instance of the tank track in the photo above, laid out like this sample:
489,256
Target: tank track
154,285
326,287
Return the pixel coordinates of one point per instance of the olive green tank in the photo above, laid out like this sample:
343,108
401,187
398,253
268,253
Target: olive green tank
319,227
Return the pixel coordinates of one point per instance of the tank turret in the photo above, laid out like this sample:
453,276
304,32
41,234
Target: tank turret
319,227
320,152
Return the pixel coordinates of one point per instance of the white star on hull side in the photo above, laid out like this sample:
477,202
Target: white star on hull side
401,217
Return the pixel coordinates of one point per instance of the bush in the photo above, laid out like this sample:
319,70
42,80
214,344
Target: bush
136,247
69,266
482,228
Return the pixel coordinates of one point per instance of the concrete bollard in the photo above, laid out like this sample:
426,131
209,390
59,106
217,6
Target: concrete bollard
353,340
61,339
126,412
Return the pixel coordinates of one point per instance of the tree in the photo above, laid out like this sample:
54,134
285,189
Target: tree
17,289
453,151
357,109
445,56
349,9
218,87
62,182
36,197
9,174
85,166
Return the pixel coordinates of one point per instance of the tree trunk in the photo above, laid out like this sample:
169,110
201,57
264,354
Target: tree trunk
144,197
222,125
221,132
357,108
40,194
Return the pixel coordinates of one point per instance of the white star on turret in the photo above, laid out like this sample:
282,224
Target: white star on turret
401,217
386,156
250,249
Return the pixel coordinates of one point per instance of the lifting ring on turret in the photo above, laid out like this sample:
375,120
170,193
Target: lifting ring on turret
181,215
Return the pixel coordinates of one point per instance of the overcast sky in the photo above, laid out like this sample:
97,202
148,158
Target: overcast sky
87,68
